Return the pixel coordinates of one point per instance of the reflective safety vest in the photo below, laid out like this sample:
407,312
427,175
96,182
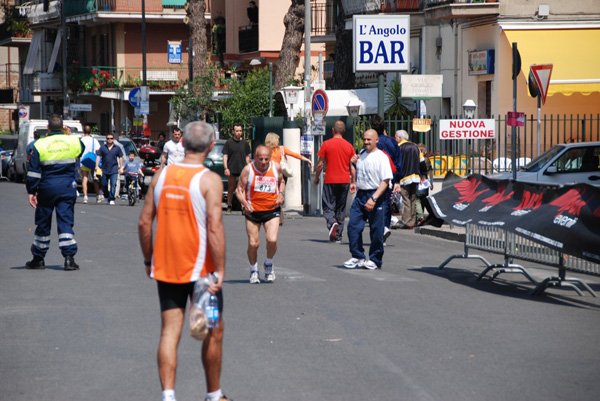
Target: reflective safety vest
58,149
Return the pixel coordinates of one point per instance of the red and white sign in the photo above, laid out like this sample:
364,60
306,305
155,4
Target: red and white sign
23,113
542,73
515,119
320,102
467,129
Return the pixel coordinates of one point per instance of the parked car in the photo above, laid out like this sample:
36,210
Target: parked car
214,161
8,164
564,164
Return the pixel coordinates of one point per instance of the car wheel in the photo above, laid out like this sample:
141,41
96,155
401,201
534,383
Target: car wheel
11,173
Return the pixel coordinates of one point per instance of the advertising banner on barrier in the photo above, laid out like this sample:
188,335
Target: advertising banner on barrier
563,218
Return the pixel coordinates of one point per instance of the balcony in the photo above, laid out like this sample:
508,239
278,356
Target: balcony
81,7
34,10
323,18
459,9
248,38
47,82
396,6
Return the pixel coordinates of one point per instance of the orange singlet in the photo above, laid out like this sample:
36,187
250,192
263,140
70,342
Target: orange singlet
263,188
181,219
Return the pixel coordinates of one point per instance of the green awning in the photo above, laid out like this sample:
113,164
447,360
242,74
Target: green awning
173,3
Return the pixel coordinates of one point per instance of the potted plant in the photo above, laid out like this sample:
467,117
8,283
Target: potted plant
20,28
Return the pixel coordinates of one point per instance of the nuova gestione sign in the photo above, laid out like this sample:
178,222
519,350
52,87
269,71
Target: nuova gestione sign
381,42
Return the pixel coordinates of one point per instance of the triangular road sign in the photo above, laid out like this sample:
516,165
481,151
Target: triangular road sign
542,73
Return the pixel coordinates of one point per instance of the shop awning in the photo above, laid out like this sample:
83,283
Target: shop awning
573,53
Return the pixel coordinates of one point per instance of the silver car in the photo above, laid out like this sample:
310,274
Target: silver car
565,164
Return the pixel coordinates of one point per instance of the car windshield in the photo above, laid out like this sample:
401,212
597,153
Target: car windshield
217,152
127,144
541,161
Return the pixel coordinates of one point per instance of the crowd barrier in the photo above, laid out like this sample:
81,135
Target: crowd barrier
513,246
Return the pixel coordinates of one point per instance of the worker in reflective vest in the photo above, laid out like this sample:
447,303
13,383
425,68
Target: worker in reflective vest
51,184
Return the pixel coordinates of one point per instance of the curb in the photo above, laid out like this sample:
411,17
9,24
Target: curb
444,233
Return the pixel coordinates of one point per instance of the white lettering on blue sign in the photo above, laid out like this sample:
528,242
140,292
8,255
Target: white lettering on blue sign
381,42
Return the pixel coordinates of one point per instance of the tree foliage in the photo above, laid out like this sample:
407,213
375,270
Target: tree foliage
396,105
193,104
249,98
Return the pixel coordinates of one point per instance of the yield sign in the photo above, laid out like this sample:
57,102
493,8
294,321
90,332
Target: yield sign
542,73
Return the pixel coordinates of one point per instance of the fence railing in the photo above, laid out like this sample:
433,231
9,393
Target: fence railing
78,7
512,246
484,156
81,79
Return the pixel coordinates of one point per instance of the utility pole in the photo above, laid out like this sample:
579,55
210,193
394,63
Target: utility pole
63,20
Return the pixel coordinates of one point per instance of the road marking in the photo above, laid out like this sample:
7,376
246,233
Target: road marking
294,275
378,275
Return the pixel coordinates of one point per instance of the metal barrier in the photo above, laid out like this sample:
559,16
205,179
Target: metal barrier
513,246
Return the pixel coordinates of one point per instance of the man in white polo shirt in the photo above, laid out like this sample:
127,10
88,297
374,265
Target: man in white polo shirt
373,175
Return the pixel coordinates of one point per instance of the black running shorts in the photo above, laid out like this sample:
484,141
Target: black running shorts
263,217
173,296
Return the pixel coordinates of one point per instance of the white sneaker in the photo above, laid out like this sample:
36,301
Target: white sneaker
369,264
254,278
353,263
112,203
386,234
269,273
99,198
85,199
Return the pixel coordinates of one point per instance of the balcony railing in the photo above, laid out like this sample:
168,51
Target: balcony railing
399,6
323,18
458,9
79,7
97,79
248,38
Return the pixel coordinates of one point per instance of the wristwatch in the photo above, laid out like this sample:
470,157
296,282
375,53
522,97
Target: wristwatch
148,262
374,199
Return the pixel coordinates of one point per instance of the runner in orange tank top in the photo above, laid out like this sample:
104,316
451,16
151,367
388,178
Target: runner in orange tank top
260,191
185,198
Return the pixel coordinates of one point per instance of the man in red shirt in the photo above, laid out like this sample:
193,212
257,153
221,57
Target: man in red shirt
336,153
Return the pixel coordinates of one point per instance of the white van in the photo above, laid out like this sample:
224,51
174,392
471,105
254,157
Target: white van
30,130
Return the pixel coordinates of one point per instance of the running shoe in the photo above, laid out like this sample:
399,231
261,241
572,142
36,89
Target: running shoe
85,199
333,231
386,234
269,272
353,263
99,198
254,278
112,203
370,265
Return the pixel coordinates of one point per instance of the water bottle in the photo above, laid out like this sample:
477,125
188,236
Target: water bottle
211,311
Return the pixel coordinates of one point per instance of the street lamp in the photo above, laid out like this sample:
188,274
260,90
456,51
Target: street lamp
353,108
469,109
469,112
290,94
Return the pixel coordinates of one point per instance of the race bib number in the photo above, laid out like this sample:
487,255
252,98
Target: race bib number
265,184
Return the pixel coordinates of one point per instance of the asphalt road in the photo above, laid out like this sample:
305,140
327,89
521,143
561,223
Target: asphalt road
406,332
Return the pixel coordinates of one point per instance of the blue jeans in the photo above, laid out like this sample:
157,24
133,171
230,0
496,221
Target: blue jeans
109,194
376,217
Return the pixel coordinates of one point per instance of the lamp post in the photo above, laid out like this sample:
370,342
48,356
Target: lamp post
353,108
469,112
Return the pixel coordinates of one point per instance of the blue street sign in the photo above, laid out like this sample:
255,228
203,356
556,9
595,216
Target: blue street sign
174,52
135,97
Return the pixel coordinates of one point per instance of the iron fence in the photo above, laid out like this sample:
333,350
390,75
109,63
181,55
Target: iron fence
484,156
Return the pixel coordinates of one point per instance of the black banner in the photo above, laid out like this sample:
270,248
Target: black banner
563,218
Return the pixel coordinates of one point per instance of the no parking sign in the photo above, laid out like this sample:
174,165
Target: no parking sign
23,113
